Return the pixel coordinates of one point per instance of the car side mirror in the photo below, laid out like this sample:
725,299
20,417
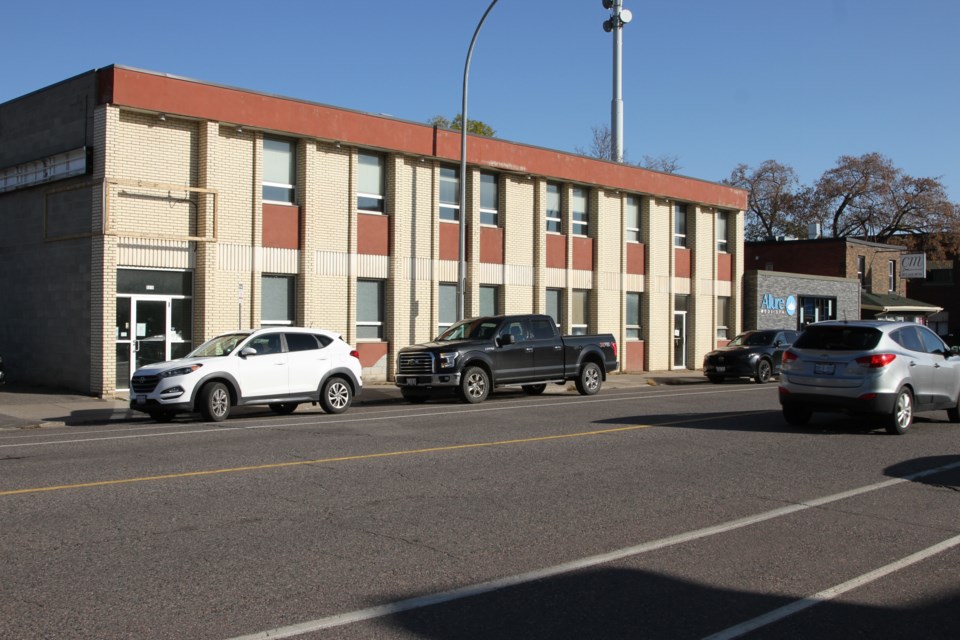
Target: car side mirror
506,339
248,351
778,343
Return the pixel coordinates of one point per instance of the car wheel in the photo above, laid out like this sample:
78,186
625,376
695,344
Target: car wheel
714,378
161,416
416,397
796,415
900,419
284,408
764,372
215,402
336,395
474,385
534,389
953,413
589,380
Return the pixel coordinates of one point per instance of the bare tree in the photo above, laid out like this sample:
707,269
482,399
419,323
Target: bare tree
667,163
601,144
476,127
772,201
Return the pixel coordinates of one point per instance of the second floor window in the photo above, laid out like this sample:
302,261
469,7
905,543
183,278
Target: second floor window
449,194
554,209
489,199
632,219
579,211
680,225
279,170
862,271
370,183
722,242
892,275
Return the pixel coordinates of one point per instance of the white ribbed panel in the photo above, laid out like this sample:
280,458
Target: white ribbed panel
556,278
413,269
491,273
681,286
370,266
633,282
518,275
723,288
333,263
235,257
581,279
447,270
160,254
280,260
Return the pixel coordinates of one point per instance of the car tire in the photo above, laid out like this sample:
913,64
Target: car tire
284,408
416,397
714,378
474,385
161,416
215,402
764,371
534,389
589,380
796,415
953,413
336,396
900,419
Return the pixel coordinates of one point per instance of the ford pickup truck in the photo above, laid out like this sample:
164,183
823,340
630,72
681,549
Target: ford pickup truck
475,355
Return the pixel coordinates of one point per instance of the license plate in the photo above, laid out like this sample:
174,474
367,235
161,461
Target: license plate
141,399
411,382
824,368
721,369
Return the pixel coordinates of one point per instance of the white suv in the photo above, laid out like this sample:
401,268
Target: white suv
279,366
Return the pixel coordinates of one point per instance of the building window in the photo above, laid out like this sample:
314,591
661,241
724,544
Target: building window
369,309
448,305
279,170
370,183
555,305
680,225
554,208
815,309
278,298
892,274
722,243
862,271
488,301
632,219
723,317
633,316
489,199
579,209
580,308
449,194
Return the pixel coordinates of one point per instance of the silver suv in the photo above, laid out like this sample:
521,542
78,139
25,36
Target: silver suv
890,369
279,367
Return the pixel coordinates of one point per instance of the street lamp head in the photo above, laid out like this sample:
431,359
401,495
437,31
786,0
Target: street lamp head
607,4
608,25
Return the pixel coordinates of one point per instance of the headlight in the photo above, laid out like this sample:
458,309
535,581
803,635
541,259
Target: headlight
448,360
180,371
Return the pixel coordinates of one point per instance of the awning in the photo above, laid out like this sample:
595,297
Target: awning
883,303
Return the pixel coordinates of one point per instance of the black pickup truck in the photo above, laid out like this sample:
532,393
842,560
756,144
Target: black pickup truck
477,354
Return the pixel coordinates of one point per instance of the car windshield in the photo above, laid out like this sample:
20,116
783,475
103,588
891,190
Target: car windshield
219,346
472,329
838,338
753,339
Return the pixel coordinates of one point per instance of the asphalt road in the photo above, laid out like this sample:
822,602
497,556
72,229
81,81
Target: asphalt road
661,512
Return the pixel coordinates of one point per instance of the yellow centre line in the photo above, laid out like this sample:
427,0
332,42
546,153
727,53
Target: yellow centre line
365,456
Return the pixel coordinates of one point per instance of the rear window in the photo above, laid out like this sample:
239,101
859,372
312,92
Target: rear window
838,338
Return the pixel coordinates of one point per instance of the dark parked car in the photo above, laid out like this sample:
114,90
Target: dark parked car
753,354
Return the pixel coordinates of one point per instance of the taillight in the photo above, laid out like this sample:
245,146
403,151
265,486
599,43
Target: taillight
614,345
876,361
355,354
788,356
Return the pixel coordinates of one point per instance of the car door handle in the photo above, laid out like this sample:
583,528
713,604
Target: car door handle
557,347
529,349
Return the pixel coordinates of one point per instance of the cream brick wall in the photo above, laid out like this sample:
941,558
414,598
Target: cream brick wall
656,226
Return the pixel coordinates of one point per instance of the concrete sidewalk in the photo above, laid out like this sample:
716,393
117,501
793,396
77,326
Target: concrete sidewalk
34,407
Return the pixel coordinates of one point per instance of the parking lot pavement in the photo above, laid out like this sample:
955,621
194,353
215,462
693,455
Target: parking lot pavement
23,407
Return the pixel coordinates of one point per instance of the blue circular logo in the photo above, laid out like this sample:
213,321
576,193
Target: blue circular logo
791,306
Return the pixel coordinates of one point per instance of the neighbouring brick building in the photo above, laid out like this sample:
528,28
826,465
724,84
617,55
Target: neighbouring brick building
142,213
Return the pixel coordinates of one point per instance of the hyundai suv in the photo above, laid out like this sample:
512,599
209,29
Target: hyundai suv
278,367
890,369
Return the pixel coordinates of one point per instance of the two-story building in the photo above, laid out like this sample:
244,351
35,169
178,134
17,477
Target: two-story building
142,213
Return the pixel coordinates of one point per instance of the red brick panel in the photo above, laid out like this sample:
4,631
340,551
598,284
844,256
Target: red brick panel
449,241
556,251
371,352
373,234
636,258
583,254
682,259
633,356
725,267
491,245
281,226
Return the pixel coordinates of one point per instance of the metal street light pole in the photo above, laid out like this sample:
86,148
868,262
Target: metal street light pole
462,265
618,18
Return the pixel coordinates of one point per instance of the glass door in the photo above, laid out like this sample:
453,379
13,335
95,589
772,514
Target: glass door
680,340
149,330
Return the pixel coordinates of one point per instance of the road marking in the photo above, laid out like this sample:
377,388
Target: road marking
586,563
460,410
828,594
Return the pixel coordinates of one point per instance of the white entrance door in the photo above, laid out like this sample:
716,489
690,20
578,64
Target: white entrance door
143,334
679,339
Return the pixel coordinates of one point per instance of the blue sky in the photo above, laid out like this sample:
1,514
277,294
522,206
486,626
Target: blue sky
713,83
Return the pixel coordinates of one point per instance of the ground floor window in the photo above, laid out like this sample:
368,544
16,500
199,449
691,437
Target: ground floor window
489,305
278,300
447,311
555,305
580,312
816,309
370,309
633,316
723,315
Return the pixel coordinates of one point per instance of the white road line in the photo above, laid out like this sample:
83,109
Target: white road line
460,410
828,594
583,563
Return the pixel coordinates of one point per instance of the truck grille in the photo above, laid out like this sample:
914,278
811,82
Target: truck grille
414,363
144,384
